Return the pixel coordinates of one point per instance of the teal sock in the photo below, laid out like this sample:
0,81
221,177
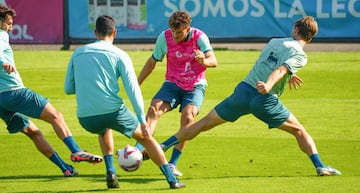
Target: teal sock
175,156
139,146
169,142
109,163
55,158
315,158
71,144
165,169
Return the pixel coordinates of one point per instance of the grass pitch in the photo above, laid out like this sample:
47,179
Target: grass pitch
235,157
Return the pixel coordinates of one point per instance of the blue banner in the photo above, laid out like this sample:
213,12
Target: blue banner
218,18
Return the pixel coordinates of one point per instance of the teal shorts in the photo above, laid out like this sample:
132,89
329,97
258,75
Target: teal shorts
247,100
17,105
122,121
174,95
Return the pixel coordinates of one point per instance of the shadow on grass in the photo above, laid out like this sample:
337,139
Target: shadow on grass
134,179
137,179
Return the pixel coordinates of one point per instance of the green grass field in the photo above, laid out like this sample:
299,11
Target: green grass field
235,157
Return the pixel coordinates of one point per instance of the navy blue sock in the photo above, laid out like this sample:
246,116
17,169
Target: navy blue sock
315,158
175,156
169,142
165,169
55,158
71,144
109,163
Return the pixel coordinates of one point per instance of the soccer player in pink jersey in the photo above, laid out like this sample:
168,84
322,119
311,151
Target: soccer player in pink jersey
188,54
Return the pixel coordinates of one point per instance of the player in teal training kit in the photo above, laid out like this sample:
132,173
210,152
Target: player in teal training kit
258,93
17,102
92,74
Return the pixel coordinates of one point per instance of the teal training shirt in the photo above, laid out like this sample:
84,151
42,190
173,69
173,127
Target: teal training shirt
279,51
93,73
13,80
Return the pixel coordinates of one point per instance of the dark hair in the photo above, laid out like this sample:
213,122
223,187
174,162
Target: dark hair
5,11
105,25
307,28
179,19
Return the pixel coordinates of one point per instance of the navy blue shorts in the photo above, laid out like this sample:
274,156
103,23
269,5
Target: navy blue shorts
122,121
16,105
171,93
247,100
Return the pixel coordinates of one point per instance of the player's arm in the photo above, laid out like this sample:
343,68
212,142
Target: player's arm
207,59
9,68
132,88
205,55
295,82
275,76
69,83
147,69
157,55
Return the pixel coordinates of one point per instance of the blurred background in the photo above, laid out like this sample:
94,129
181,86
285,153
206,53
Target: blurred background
70,22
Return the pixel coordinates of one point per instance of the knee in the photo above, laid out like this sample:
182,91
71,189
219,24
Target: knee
50,114
55,117
191,115
153,112
299,132
32,133
138,136
58,115
188,115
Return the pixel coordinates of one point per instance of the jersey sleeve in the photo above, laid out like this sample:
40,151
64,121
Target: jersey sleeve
69,83
204,43
296,61
132,88
160,48
4,44
2,48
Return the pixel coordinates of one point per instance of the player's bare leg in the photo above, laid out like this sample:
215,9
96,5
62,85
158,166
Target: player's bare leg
158,157
188,114
155,111
56,119
43,146
206,123
305,141
307,145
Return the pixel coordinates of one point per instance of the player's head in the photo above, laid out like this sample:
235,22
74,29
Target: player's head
105,27
179,24
306,28
6,18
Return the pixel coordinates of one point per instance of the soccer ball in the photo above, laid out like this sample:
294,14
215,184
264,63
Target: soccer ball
129,158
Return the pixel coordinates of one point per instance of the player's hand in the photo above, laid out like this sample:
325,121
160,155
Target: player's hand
144,130
199,56
8,68
262,87
295,82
